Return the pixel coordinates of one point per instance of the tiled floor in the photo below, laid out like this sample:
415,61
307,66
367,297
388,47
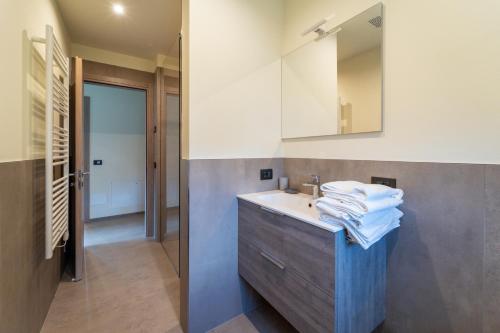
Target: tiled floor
170,235
129,284
116,229
239,324
262,320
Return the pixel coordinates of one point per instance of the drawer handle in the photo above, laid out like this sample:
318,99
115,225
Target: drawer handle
272,211
275,262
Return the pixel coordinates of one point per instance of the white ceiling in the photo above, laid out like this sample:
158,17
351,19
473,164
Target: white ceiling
148,28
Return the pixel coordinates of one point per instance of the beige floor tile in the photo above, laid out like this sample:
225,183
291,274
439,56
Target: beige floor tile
170,235
129,284
240,324
264,319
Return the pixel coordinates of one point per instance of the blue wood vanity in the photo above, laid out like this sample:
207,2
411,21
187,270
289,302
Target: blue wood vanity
313,276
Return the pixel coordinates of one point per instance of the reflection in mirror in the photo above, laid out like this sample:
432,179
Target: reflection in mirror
170,231
309,89
333,84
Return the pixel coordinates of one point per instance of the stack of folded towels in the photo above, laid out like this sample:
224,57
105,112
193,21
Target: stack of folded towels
367,211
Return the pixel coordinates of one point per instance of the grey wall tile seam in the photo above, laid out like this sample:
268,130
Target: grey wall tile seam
483,305
231,159
337,159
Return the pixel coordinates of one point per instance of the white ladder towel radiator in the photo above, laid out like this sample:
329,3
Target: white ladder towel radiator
56,142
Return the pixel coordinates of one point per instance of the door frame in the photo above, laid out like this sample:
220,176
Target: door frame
123,77
77,161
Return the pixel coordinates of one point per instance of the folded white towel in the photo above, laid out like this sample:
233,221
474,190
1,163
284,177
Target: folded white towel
361,236
366,244
361,191
358,208
367,211
368,234
326,208
359,219
377,225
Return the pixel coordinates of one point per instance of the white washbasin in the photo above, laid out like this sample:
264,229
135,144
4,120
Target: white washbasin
299,206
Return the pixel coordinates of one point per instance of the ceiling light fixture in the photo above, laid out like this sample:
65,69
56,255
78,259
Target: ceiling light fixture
118,9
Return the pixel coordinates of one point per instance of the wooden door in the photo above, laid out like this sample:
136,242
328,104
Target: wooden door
86,158
78,168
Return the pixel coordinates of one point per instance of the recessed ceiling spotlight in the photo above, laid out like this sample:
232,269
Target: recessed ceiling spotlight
118,9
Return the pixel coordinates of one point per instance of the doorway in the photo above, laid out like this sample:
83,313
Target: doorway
115,153
119,257
111,196
170,184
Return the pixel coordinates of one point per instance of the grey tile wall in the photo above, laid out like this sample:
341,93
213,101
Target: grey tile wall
444,261
216,293
491,291
27,281
184,244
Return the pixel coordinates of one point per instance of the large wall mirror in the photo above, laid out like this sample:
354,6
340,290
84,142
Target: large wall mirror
333,84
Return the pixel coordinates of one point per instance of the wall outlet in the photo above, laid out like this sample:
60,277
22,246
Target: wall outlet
266,174
391,182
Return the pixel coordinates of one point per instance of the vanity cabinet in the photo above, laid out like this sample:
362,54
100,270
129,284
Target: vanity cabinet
312,276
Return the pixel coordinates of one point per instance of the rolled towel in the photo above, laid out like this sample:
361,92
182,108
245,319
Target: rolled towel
358,208
361,191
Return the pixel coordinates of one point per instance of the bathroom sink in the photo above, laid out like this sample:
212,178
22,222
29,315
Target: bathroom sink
299,206
299,201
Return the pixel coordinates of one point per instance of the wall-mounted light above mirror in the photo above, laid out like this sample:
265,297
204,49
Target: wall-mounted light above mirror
333,84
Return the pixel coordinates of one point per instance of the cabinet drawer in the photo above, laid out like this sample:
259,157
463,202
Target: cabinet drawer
307,307
306,250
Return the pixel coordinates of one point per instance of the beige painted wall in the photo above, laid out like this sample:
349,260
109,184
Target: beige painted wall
22,74
112,58
360,84
124,60
301,15
19,72
441,81
234,78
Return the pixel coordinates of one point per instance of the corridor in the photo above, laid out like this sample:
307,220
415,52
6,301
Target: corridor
129,284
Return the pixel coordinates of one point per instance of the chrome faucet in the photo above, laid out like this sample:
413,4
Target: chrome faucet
315,186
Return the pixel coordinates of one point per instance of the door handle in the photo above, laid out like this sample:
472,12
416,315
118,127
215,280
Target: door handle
78,174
